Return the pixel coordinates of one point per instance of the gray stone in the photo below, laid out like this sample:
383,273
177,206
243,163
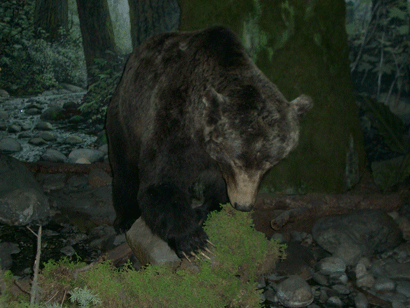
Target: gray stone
361,301
334,301
22,200
47,136
68,251
398,271
294,292
4,94
331,265
4,115
54,113
52,181
9,145
37,141
403,287
72,88
149,248
73,140
384,284
6,250
341,289
360,233
279,237
54,156
89,154
41,125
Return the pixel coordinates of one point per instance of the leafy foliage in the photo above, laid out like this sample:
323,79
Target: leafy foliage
227,280
28,63
389,172
105,75
380,47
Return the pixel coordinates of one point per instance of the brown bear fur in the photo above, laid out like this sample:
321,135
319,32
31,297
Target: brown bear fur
192,106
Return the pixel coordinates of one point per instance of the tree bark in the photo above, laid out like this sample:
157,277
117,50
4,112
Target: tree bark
51,16
96,30
150,17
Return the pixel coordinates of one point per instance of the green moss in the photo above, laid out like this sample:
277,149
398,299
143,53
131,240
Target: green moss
301,50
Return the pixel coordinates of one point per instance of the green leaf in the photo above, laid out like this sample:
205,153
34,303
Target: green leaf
391,172
395,12
388,125
403,30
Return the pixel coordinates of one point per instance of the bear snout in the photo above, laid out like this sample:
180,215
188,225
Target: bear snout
243,207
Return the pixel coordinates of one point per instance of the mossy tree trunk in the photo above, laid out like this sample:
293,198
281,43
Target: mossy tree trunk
302,47
96,30
51,16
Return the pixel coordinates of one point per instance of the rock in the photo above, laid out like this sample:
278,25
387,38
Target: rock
356,234
398,270
4,115
82,161
37,141
89,154
21,197
68,251
53,113
73,140
76,119
384,284
54,156
41,125
52,181
6,250
334,301
294,292
4,95
3,126
9,145
331,265
149,248
72,88
98,177
361,301
47,136
14,128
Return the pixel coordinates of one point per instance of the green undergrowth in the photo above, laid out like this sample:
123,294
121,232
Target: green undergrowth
242,255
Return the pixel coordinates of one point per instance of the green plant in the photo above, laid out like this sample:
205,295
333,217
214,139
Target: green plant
227,280
105,77
379,40
390,172
84,297
28,63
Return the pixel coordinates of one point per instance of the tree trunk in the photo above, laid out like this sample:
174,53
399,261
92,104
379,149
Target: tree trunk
51,16
96,30
301,46
150,17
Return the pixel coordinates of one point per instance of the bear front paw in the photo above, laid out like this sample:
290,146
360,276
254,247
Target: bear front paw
191,243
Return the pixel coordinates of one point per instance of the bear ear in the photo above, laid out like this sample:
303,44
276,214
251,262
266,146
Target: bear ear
302,104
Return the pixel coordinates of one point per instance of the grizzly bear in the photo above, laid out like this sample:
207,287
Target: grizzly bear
192,107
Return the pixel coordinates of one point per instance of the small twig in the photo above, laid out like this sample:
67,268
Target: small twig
34,285
21,287
82,269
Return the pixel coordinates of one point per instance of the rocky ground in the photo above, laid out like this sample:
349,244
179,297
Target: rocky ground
360,258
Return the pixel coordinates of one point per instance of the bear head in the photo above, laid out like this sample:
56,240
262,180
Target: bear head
249,128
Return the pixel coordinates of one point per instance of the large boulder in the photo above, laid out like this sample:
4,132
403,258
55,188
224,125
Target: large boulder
22,200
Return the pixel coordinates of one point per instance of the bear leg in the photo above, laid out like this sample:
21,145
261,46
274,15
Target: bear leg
167,211
125,193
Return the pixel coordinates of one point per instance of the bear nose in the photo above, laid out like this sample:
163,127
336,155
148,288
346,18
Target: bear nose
243,207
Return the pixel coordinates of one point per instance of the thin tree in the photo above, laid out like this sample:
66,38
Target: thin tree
96,30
